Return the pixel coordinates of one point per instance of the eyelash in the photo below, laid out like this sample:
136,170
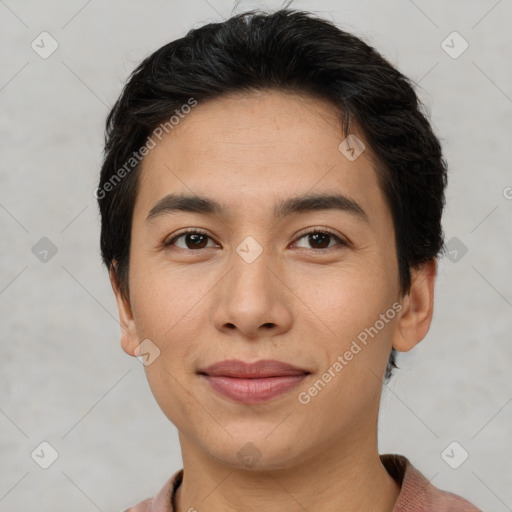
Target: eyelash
323,231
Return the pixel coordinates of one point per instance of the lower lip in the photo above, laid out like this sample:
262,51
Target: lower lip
254,391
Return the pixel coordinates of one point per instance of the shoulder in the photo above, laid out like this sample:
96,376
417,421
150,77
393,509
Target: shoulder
417,493
162,502
143,506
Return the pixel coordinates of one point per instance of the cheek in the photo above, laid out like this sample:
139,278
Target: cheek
346,299
165,308
170,307
347,306
165,301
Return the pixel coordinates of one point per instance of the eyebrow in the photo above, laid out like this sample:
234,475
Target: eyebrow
299,204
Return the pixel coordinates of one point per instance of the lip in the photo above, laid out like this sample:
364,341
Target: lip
253,383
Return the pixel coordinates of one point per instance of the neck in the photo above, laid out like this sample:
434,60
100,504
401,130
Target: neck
336,479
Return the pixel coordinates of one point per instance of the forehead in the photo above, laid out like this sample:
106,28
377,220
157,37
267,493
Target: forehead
258,146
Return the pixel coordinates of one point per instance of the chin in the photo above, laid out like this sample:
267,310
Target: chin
259,454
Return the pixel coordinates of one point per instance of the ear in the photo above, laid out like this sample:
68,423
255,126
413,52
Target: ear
418,308
129,338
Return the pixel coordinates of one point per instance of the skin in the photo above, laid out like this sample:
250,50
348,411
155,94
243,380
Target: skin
297,303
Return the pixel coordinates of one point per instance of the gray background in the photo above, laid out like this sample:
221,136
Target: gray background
64,378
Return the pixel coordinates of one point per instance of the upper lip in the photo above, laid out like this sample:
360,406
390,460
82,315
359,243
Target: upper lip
258,370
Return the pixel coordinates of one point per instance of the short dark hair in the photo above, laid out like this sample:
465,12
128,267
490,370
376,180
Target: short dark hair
292,51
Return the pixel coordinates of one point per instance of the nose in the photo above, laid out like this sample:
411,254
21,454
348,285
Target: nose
253,299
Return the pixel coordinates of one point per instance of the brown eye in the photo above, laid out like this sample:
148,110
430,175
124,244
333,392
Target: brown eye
192,240
321,240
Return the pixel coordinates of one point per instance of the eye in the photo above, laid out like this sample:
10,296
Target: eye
193,239
320,239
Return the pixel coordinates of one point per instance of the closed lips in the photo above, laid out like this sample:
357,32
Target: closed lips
253,383
259,370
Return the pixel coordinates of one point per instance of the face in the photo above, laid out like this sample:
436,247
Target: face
262,277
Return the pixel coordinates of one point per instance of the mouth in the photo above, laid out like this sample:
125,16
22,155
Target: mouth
253,383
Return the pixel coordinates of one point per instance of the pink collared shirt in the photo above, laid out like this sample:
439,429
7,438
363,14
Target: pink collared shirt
417,494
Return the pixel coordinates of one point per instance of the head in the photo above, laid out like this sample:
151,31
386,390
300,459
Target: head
315,189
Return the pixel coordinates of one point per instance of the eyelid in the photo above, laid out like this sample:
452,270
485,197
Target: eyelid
169,241
321,229
342,241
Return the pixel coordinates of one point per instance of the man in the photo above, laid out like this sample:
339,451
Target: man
271,201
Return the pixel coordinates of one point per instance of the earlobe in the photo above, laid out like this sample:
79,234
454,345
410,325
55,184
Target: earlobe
418,308
129,338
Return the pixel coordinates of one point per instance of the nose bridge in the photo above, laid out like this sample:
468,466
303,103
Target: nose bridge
252,297
252,278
